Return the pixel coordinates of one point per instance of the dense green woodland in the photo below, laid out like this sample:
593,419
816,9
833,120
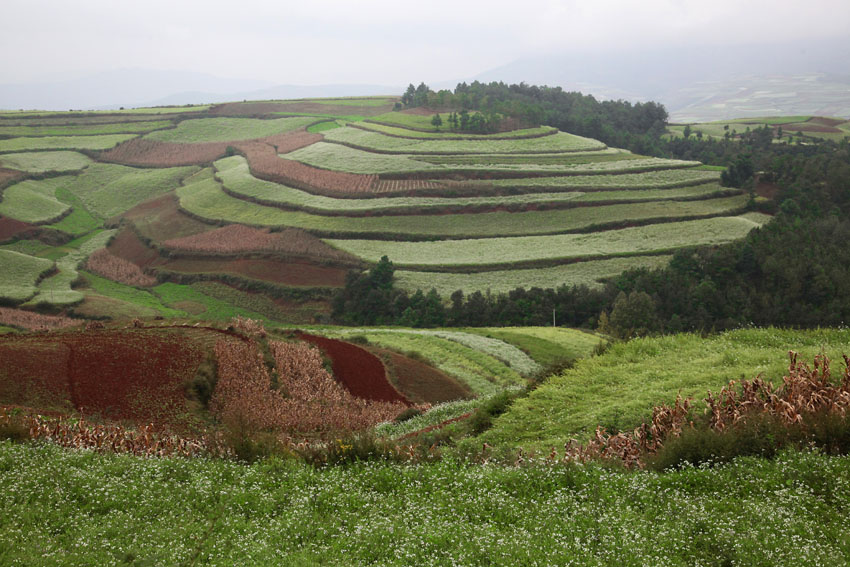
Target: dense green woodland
793,272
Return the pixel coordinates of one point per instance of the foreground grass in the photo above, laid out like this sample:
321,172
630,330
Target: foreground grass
79,508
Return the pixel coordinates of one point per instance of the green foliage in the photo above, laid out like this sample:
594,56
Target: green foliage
79,221
146,301
213,309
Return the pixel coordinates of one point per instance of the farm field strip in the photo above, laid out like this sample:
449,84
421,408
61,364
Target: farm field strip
666,178
498,349
447,134
73,119
108,189
587,273
236,177
64,143
654,238
376,142
207,200
56,290
548,345
483,374
207,130
38,162
339,157
34,201
84,129
571,158
20,274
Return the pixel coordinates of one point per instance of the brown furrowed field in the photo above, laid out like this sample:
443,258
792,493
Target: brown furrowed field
420,382
127,246
239,239
295,274
152,153
103,263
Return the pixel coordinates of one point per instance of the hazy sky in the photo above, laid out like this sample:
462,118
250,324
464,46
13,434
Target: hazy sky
380,41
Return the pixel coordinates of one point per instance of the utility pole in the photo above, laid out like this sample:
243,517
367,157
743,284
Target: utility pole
553,317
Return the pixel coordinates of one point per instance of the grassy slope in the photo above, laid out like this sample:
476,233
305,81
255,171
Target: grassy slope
546,345
64,142
619,388
80,508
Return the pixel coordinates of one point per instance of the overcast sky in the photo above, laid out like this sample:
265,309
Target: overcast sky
374,41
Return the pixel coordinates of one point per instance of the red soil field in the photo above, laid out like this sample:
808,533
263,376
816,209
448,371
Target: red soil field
810,126
11,228
420,382
240,239
152,153
9,174
32,321
33,372
266,164
127,246
160,219
826,121
132,374
360,371
297,274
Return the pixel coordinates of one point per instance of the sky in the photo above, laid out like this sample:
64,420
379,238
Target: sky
374,41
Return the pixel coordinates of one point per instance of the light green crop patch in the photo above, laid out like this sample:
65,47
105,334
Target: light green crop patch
34,201
64,142
37,162
200,130
20,274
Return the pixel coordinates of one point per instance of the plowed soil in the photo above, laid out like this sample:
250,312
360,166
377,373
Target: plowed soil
11,228
360,371
296,274
127,245
420,382
132,374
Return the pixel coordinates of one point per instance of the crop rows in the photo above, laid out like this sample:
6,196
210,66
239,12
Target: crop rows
481,372
34,201
83,129
37,162
268,165
227,129
238,239
650,180
505,251
376,142
117,269
73,119
588,273
206,199
33,321
20,274
64,143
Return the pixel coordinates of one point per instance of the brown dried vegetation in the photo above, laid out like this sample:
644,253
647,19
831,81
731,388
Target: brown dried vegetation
34,321
103,263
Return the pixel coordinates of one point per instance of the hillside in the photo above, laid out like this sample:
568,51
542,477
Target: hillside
261,208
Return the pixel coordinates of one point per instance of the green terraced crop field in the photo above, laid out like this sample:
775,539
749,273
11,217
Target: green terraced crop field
20,274
504,251
236,177
587,273
343,158
207,200
376,142
38,162
140,127
445,134
34,201
64,142
649,180
226,129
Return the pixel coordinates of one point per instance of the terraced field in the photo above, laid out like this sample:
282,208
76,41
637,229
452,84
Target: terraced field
525,207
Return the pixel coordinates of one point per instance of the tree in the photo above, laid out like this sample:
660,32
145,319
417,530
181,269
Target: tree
687,131
407,97
437,121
